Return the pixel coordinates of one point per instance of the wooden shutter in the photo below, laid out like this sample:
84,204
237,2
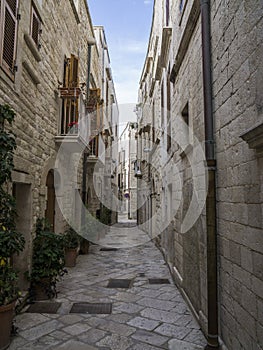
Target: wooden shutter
35,26
74,68
10,35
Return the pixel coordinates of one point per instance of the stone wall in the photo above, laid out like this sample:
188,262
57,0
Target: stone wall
237,109
237,84
35,98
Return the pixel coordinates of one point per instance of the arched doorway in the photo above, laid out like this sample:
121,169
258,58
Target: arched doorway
50,204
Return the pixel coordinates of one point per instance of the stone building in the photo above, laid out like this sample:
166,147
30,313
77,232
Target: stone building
102,158
127,166
200,148
45,79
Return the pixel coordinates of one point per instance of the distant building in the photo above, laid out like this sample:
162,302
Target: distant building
127,183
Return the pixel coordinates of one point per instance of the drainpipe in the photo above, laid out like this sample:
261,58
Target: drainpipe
91,41
211,219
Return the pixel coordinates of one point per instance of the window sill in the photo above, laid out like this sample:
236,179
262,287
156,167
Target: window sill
32,46
31,72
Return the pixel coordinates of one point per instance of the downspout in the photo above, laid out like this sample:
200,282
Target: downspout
211,219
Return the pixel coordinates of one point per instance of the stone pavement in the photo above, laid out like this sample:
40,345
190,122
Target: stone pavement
144,317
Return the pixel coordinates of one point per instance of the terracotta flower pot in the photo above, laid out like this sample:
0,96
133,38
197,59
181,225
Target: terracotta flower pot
71,257
6,318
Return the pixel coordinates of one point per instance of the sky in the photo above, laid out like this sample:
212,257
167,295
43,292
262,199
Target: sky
127,25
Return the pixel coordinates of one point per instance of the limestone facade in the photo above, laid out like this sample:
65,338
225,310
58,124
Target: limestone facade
171,91
44,79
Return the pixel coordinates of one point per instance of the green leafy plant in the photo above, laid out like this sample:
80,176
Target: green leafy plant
71,239
47,258
11,241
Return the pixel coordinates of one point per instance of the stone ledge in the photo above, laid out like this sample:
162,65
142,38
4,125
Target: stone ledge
254,138
31,72
32,46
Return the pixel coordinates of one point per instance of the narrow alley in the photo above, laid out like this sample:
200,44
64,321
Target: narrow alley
146,311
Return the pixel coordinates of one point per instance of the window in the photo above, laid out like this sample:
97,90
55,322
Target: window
169,127
8,35
167,12
181,5
70,104
185,116
35,29
153,122
162,106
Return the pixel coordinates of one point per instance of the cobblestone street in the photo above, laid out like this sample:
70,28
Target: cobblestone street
144,316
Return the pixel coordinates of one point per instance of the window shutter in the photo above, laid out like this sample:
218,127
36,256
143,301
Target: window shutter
10,35
35,27
74,67
167,12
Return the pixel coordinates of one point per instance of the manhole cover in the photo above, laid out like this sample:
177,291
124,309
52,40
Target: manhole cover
159,281
44,307
119,283
105,249
91,308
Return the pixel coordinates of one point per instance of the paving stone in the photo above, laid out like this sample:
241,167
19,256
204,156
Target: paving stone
157,304
25,320
116,342
129,308
164,316
16,342
40,330
196,337
128,297
117,328
121,318
92,336
75,345
175,344
172,330
150,293
76,329
181,309
70,319
143,346
49,341
60,335
149,337
143,323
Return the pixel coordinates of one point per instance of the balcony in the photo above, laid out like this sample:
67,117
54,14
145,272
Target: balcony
74,132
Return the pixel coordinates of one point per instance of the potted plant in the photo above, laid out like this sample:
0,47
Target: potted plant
71,244
11,242
47,262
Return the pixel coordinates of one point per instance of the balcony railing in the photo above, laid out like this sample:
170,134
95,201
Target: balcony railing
74,133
